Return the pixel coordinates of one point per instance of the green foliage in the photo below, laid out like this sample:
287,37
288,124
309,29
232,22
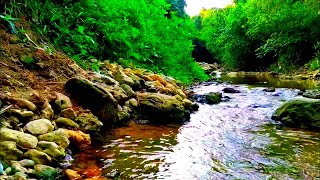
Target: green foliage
8,22
137,31
255,34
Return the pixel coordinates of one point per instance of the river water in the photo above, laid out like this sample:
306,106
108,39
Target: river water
235,139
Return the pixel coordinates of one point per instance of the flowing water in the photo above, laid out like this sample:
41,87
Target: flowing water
231,140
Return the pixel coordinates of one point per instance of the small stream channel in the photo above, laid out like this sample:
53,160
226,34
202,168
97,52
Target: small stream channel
231,140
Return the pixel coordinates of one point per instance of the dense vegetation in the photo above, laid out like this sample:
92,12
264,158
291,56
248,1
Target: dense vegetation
281,35
148,33
277,35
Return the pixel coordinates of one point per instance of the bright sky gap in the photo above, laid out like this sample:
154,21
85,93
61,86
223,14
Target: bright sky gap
194,6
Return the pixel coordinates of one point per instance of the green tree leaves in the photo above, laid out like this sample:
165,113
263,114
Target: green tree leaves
135,30
255,34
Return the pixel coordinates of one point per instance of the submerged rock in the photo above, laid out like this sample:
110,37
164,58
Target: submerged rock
97,99
269,89
230,90
213,97
300,112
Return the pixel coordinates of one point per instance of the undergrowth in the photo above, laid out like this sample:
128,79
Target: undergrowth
138,31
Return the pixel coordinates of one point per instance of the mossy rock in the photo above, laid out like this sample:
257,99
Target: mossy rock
46,172
161,108
300,112
213,97
94,97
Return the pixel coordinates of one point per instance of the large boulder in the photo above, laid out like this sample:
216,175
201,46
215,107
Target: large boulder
22,139
96,98
300,112
9,151
40,126
158,107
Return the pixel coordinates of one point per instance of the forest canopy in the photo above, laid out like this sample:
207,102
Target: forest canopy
281,35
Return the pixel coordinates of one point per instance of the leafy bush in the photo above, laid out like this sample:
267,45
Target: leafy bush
255,34
137,31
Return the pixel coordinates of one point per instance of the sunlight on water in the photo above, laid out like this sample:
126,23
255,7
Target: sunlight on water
231,140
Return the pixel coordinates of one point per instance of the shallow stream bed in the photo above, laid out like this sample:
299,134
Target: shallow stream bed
231,140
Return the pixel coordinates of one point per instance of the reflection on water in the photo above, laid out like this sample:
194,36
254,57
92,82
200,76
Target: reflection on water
230,140
266,80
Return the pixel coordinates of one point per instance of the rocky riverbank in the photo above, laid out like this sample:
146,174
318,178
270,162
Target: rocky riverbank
43,131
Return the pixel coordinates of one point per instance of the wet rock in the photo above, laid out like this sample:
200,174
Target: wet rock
65,122
97,99
78,138
22,139
132,103
160,107
51,148
89,122
189,105
20,176
38,127
277,93
313,94
213,97
257,105
27,163
45,172
128,90
38,157
72,174
269,89
21,113
63,101
123,116
9,151
300,112
230,90
59,136
68,113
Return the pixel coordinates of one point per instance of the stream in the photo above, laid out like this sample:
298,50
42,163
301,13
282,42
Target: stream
235,139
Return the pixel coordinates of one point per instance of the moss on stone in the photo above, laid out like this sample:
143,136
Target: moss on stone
302,112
